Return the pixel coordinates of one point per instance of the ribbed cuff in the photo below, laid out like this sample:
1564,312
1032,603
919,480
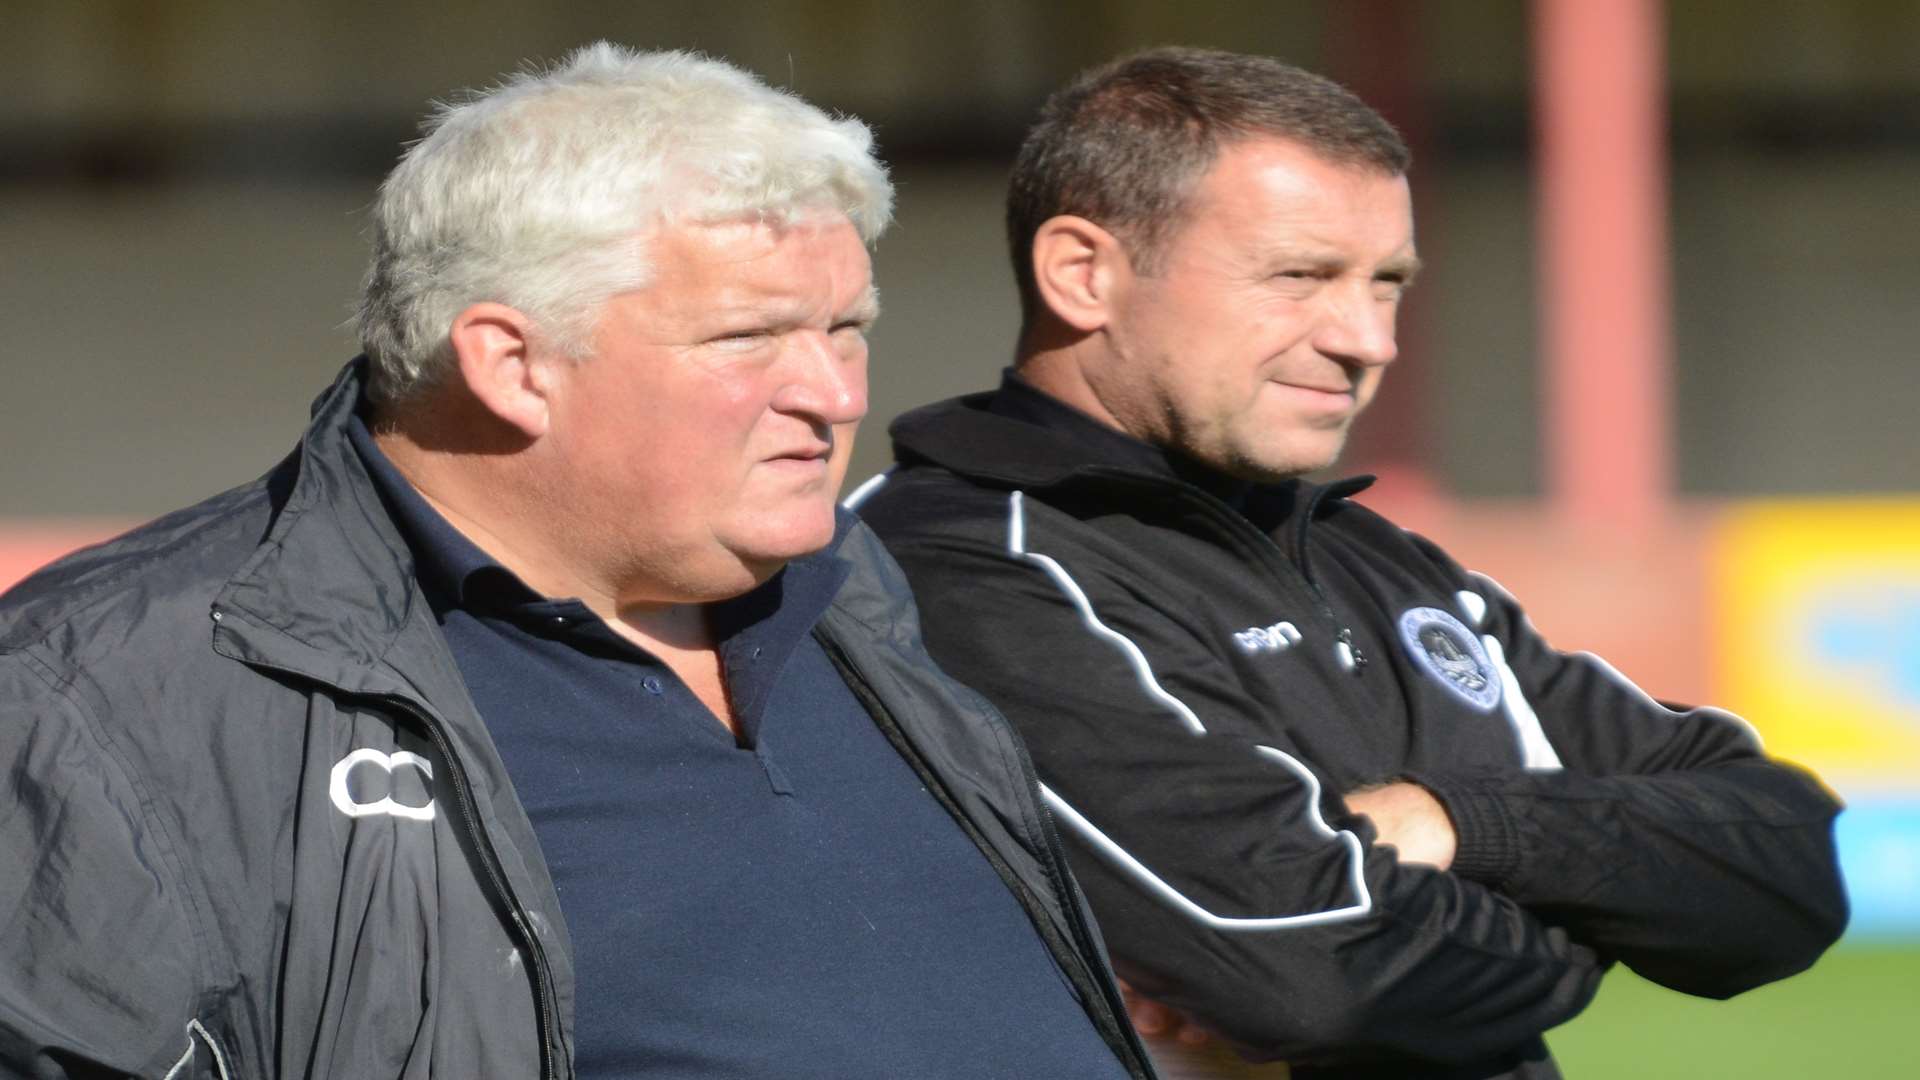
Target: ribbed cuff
1486,840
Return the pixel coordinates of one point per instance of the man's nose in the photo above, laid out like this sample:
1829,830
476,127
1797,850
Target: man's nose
1359,328
826,380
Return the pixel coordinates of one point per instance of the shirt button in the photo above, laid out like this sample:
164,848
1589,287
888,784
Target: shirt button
652,683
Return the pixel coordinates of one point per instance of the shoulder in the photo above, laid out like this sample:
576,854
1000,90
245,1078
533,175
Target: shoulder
874,574
1363,539
122,599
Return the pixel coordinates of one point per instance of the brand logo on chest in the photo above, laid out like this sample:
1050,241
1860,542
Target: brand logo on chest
403,780
1451,655
1259,639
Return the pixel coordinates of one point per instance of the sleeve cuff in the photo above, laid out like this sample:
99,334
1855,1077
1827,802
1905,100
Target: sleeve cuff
1487,842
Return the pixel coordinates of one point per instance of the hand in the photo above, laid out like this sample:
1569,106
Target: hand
1408,817
1156,1021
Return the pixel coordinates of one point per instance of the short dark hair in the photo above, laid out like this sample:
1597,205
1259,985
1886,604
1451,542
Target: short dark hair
1123,144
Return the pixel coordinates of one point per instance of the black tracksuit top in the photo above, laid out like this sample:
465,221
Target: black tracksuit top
1201,668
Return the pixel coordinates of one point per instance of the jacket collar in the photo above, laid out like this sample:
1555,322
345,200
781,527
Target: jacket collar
1020,437
329,593
332,592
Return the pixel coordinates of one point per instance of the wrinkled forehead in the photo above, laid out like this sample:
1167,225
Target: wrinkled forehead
1276,189
745,232
804,256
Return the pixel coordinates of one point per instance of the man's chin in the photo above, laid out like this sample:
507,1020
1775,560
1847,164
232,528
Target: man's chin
774,548
1287,463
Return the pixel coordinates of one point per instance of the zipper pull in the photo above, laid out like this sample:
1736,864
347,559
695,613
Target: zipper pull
1350,655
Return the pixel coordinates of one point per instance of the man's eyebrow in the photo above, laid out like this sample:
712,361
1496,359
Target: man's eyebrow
1401,268
1308,256
864,309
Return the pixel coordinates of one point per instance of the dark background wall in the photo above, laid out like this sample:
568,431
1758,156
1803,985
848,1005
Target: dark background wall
182,186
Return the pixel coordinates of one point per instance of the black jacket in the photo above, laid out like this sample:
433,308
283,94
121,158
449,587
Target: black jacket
185,893
1201,668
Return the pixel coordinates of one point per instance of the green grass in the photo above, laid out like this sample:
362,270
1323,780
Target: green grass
1854,1016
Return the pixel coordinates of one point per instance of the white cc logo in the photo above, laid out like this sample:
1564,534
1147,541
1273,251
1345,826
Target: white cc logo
344,800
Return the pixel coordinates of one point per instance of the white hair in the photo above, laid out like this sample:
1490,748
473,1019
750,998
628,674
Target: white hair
539,192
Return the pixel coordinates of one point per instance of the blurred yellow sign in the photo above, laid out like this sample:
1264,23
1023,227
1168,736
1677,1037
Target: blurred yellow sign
1818,632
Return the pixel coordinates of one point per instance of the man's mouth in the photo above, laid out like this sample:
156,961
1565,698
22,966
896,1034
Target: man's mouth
809,455
1344,393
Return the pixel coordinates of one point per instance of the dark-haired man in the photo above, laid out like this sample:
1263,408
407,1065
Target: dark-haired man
1329,792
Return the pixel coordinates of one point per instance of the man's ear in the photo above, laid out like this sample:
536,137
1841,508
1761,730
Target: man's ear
1076,265
492,345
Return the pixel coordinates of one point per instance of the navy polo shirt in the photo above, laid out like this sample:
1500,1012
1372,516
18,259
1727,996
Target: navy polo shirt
795,904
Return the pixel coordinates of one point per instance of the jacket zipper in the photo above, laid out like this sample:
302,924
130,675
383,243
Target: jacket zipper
1086,951
1306,569
496,880
490,859
1233,522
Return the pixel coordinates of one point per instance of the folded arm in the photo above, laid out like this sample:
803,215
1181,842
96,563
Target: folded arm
1229,882
1667,839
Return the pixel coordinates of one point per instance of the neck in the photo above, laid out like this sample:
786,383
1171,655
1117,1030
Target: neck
1056,365
479,495
475,494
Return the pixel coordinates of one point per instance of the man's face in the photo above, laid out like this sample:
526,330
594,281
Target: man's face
697,449
1266,326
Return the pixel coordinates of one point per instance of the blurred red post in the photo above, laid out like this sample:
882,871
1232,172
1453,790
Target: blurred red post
1600,122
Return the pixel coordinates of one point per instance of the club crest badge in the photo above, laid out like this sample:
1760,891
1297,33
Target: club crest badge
1444,648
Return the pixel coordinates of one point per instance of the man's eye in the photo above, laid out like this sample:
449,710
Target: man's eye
739,340
1301,276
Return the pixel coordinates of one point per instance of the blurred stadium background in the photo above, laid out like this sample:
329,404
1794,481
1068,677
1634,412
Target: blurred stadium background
1696,456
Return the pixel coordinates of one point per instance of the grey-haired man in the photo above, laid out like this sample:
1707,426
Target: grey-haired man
539,715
